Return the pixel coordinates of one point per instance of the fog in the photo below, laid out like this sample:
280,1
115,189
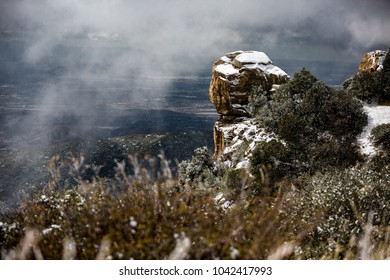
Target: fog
74,56
162,38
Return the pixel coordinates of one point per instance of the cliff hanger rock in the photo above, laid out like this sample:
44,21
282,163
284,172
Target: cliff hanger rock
372,61
234,76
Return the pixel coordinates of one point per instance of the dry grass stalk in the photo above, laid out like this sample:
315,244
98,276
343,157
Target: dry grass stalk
183,246
365,245
69,249
104,250
282,251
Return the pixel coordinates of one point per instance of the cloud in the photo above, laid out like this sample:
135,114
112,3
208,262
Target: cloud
166,30
141,42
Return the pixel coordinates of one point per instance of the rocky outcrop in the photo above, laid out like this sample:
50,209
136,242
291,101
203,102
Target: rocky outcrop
233,78
236,141
372,61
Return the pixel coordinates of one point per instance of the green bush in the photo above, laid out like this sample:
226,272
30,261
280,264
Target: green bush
199,169
270,162
386,62
343,115
365,86
318,123
333,152
302,82
381,136
235,178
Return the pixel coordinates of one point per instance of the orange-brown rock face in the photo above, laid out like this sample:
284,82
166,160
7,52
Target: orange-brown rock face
233,77
372,61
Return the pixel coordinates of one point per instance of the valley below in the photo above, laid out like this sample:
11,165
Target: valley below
101,122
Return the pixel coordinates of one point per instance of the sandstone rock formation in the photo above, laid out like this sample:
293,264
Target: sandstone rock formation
233,78
372,61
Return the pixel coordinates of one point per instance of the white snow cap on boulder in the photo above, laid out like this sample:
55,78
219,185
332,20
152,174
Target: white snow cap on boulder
372,61
233,62
236,74
252,57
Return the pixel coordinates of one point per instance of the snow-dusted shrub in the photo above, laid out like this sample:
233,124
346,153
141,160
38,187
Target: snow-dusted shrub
381,136
365,86
199,169
235,178
258,101
312,119
333,152
347,199
270,161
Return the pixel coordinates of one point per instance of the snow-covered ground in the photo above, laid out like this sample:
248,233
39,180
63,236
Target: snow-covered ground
377,115
247,131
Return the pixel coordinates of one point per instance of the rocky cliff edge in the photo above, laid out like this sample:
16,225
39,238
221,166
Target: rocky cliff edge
234,76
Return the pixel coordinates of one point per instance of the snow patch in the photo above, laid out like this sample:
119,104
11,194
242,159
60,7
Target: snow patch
226,59
46,231
274,70
222,202
253,57
219,197
236,135
377,115
245,164
226,69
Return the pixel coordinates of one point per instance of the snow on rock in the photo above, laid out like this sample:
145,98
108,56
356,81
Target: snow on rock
244,164
372,61
377,115
273,70
251,57
243,136
226,69
235,74
222,202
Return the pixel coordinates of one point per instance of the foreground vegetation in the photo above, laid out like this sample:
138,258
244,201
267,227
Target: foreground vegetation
335,215
327,202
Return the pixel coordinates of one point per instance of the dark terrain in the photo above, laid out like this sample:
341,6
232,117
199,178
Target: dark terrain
100,122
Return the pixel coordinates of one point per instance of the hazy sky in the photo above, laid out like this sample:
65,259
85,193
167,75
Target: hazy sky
174,32
101,39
